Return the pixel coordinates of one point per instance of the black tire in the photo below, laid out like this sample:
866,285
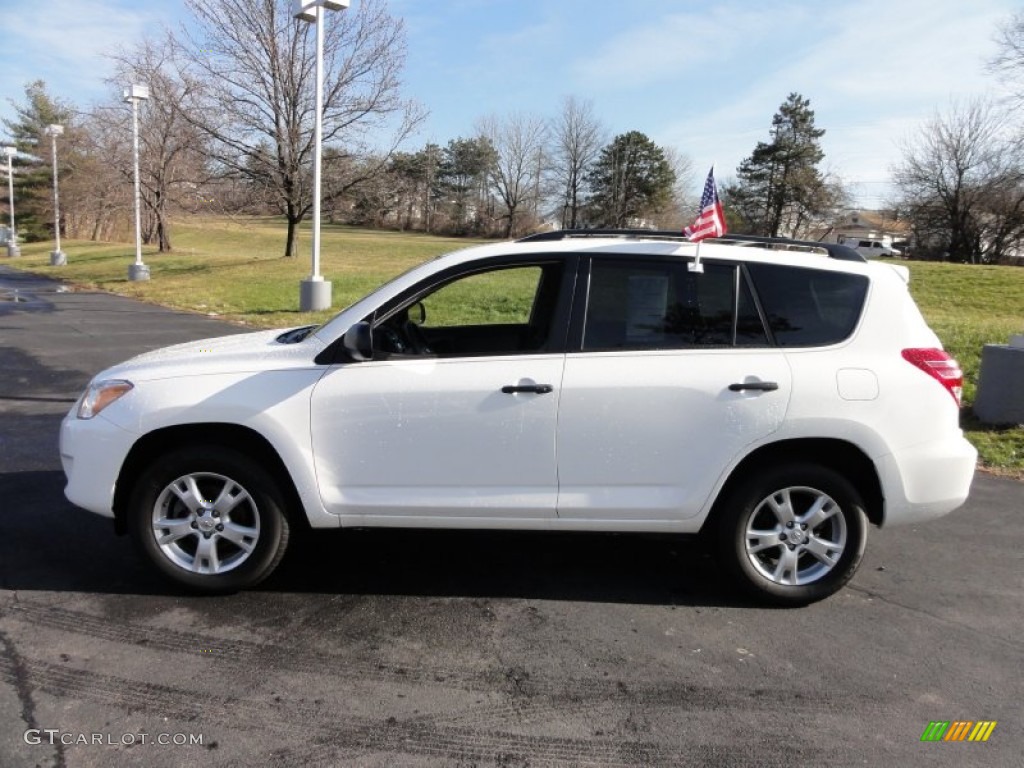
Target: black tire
205,557
783,568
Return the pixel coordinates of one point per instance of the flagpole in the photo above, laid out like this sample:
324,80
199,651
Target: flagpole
696,266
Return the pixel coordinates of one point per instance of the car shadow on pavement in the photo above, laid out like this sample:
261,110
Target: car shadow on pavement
46,544
591,567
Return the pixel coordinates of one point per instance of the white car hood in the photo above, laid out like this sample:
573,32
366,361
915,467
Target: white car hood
239,353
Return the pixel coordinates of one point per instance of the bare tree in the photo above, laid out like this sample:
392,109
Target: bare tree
172,166
248,67
100,194
515,173
961,181
578,138
1008,63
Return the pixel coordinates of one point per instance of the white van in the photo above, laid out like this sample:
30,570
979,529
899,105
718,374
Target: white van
869,248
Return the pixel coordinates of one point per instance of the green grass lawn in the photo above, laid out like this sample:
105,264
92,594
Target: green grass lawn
233,268
968,307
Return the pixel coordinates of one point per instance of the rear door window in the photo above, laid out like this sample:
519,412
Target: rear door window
808,307
634,304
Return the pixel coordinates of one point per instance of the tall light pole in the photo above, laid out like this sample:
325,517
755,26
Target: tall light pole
133,94
315,292
57,257
12,242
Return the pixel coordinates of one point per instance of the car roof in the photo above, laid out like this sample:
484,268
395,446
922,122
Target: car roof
798,253
832,250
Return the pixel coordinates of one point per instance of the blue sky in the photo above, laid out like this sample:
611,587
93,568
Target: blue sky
704,78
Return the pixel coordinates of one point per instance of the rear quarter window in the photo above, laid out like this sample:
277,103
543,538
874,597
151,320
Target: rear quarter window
809,307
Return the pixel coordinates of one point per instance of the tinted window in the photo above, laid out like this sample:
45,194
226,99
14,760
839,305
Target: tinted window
661,305
808,307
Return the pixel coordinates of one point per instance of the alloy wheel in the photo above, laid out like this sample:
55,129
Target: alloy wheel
795,536
206,523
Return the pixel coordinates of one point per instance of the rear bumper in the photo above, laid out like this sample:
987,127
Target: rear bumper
926,481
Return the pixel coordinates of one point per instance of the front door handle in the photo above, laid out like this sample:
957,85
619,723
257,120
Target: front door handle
538,389
756,386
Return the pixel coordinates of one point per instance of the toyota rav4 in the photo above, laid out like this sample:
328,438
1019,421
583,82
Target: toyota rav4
776,396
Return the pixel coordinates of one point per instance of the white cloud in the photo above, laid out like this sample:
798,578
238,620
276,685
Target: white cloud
65,41
674,47
879,70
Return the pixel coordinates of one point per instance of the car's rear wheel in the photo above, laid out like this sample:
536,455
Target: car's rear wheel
793,535
210,518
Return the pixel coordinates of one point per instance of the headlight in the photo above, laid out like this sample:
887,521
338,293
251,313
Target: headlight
100,394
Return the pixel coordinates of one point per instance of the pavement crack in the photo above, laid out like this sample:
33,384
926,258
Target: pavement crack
941,619
20,678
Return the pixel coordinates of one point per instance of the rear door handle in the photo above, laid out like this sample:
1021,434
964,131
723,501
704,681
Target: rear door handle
537,389
756,386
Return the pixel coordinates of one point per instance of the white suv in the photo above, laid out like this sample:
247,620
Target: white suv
776,395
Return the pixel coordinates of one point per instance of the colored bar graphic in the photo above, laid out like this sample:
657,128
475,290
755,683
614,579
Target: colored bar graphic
958,730
982,730
935,730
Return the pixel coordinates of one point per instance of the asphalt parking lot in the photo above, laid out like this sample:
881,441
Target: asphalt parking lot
468,649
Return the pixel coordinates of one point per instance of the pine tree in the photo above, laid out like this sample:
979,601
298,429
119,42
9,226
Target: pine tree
463,177
780,188
631,179
33,179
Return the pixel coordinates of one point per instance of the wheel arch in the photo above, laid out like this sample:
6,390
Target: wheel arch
235,436
839,455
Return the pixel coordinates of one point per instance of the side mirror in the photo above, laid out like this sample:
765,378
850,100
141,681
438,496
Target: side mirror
417,313
358,342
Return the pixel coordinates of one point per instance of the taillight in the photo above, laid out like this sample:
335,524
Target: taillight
940,366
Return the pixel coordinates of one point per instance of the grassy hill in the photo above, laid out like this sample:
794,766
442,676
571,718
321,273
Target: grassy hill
232,267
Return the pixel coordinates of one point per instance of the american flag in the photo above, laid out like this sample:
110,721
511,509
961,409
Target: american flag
710,221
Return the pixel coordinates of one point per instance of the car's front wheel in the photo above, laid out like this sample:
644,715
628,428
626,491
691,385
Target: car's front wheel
210,518
792,535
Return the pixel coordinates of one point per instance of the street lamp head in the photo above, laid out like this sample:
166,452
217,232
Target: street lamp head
136,93
307,10
54,130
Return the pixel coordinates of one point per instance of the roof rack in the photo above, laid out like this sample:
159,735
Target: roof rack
834,250
564,234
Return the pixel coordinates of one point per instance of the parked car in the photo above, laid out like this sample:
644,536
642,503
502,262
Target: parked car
777,397
874,248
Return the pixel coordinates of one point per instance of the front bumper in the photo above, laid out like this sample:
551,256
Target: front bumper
92,452
926,481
